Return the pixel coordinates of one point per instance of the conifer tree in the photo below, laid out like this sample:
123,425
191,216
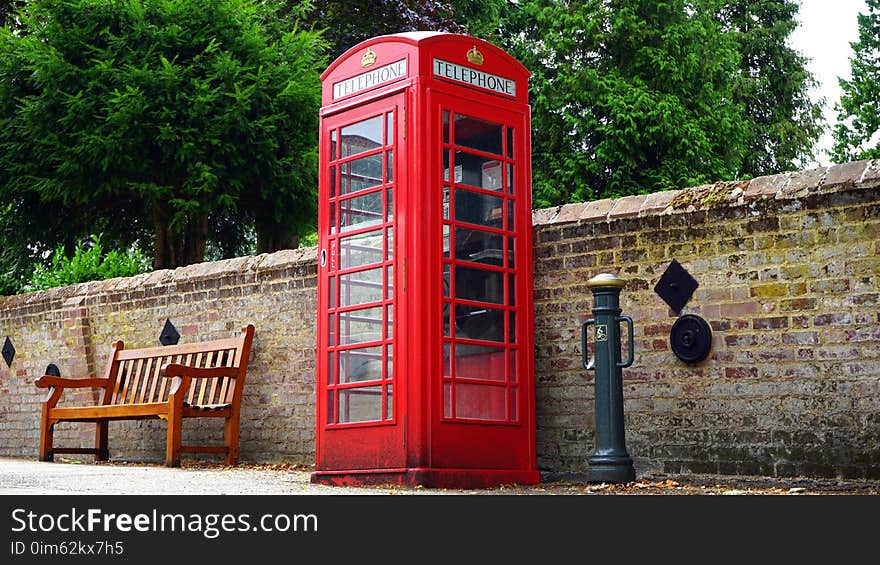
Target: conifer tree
857,134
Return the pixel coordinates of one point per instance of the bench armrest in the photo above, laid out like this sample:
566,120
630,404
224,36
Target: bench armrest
47,381
171,370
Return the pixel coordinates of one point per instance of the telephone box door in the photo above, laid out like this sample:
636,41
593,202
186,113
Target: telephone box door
359,386
483,397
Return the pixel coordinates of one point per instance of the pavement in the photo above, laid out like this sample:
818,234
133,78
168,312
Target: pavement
28,476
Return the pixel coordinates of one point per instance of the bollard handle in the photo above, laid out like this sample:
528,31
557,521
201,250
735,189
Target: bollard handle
631,357
588,364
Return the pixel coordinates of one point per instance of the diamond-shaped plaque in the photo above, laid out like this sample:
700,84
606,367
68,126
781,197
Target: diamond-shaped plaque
676,286
8,352
169,335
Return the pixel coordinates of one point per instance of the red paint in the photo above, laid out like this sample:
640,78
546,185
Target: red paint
425,314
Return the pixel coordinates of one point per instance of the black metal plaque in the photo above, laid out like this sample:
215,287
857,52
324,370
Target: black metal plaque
676,286
169,335
8,352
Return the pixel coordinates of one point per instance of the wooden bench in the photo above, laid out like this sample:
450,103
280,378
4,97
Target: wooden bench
193,380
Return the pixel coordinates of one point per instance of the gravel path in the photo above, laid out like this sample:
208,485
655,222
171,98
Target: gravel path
23,476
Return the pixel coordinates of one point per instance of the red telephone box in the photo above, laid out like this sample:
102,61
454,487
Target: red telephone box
425,346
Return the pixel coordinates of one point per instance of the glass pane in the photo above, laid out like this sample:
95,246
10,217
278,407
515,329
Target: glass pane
479,285
389,283
473,322
389,244
482,172
510,216
362,136
333,139
360,174
360,364
331,369
360,249
511,181
332,182
512,327
445,126
360,326
390,199
447,400
480,402
331,408
476,208
389,406
479,362
479,246
478,134
332,218
332,291
511,290
389,130
389,320
447,361
390,169
445,202
511,255
511,366
446,233
360,212
360,404
361,287
447,309
331,330
510,142
389,361
446,278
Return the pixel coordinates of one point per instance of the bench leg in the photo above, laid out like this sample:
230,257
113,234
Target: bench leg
47,434
172,444
101,444
230,437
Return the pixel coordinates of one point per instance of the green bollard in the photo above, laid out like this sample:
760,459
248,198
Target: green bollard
610,462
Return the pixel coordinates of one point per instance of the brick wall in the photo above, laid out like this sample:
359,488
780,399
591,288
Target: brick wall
788,268
74,326
789,273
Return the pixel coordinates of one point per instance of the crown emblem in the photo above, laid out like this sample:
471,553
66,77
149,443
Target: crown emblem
474,56
369,58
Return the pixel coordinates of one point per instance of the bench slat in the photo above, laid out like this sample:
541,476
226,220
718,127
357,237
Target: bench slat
135,381
163,383
212,395
122,379
192,389
145,383
180,349
224,389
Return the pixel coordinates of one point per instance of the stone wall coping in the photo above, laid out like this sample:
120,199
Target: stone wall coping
260,265
853,175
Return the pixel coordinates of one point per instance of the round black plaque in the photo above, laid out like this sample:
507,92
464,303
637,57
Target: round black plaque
691,338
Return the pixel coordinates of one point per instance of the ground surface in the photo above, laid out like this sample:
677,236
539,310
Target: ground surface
21,476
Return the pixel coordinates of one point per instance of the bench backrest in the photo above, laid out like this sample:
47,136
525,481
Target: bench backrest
134,373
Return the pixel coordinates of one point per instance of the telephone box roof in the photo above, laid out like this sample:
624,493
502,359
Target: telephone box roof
424,39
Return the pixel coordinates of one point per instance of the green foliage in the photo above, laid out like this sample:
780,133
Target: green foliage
88,263
772,86
349,22
161,115
857,134
628,96
309,240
